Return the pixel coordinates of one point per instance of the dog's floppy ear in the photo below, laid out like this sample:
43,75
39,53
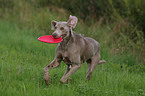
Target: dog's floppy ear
72,22
53,23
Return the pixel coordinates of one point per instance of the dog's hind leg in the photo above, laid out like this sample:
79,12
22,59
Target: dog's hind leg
92,66
89,69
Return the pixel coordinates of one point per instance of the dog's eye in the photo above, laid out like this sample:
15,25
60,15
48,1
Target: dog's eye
61,28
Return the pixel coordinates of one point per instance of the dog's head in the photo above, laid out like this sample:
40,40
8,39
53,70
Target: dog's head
62,28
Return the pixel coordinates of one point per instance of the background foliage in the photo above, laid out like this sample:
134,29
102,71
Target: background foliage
111,10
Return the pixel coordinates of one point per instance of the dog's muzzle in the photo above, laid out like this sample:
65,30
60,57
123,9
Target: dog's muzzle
54,35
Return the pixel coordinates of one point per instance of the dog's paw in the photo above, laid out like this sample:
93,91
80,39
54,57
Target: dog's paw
65,82
69,80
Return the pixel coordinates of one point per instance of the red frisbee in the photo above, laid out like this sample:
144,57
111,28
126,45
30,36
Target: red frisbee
50,39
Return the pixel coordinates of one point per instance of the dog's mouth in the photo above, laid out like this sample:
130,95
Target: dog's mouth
63,35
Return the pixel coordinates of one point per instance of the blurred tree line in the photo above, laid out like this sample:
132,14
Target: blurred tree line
132,11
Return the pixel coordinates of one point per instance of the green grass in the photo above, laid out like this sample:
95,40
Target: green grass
23,57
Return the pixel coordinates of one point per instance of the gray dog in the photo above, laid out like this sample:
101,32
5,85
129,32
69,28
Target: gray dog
74,50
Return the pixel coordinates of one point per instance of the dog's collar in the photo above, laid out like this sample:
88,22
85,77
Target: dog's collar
67,37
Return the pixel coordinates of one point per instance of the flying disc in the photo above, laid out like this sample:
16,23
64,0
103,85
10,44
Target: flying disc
50,39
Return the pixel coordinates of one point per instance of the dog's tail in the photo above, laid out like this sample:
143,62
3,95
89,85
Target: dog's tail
102,61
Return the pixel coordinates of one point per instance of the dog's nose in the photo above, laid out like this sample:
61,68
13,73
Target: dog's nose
54,35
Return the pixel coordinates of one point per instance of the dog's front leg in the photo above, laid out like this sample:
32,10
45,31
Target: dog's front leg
72,71
67,70
53,64
47,76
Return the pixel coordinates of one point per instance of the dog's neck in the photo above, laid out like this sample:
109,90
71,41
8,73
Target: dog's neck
68,38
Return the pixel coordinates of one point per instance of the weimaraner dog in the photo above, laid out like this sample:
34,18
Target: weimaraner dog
74,50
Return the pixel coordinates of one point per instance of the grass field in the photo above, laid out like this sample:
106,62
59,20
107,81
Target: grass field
23,57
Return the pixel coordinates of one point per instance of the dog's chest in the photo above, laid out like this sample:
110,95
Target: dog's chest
68,52
66,57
